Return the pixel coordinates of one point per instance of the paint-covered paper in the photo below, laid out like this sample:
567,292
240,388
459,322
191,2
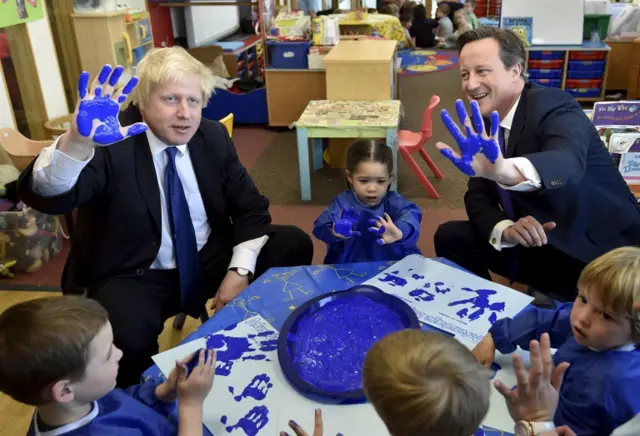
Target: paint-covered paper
448,298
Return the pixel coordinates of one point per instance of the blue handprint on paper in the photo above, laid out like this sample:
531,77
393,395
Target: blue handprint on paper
440,289
254,421
481,302
393,279
343,225
257,388
421,295
475,141
103,109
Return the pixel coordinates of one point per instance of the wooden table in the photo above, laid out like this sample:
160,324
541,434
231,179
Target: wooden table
324,119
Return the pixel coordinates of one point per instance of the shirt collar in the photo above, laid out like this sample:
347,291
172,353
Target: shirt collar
68,427
507,121
157,146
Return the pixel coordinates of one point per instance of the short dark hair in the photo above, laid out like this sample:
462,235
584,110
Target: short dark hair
369,150
406,16
419,12
46,340
511,46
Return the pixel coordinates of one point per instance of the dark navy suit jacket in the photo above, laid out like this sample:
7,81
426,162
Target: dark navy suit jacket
582,190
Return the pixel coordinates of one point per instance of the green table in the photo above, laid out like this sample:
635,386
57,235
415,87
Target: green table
323,119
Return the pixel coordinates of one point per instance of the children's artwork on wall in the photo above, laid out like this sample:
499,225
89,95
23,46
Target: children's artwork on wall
522,26
450,299
252,397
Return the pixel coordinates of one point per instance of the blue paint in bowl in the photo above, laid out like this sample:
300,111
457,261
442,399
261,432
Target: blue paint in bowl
323,344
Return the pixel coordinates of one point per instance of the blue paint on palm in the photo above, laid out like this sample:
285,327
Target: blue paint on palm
343,225
475,140
254,421
378,231
195,359
258,388
103,110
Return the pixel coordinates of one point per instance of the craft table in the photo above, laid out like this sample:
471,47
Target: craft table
324,119
278,292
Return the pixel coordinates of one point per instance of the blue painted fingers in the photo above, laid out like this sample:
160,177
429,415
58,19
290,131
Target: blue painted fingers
378,231
343,225
127,89
83,82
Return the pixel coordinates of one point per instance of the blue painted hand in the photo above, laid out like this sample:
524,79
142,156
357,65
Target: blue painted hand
479,153
96,117
343,225
388,231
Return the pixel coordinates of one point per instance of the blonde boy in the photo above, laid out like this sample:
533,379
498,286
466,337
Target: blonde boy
597,334
423,384
57,354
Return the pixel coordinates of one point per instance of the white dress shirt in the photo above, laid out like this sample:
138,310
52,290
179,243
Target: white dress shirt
526,168
55,173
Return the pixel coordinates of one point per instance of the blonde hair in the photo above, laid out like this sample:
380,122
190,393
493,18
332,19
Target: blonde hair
423,383
166,64
613,279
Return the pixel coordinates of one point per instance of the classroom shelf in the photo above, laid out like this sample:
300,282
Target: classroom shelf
580,70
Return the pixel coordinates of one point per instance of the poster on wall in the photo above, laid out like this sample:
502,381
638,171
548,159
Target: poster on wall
522,26
14,12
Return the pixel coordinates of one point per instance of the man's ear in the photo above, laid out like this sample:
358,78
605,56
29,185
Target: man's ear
517,71
62,392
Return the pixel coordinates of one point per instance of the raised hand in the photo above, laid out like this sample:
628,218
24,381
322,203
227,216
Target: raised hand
479,153
388,231
343,225
96,116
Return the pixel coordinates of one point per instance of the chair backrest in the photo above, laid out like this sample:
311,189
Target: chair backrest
228,123
427,124
21,150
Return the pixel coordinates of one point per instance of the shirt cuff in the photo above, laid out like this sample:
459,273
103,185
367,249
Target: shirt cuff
245,255
64,164
530,173
496,235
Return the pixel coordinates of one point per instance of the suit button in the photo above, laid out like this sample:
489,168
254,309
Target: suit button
140,272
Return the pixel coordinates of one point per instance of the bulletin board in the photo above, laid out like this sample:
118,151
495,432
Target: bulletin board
554,22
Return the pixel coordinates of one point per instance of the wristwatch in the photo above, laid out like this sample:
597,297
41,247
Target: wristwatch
531,428
242,272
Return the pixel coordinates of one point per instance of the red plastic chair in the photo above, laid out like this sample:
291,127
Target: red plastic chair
411,142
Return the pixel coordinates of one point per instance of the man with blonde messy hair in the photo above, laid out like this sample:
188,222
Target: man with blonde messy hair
167,216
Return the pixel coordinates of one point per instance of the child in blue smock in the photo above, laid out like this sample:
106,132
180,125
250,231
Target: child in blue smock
57,354
368,222
598,335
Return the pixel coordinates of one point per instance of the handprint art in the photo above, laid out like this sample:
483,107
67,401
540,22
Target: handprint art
97,113
475,141
343,225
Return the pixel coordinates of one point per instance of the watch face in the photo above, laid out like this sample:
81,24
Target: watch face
523,429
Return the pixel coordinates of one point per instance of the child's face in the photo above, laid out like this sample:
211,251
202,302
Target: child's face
370,181
469,7
440,14
595,328
407,24
460,18
102,369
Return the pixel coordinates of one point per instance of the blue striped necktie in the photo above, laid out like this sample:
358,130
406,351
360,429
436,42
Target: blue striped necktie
185,245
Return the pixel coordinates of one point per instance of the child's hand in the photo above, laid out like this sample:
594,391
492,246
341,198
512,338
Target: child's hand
386,229
194,387
317,427
485,351
343,225
168,391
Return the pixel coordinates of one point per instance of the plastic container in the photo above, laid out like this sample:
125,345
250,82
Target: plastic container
546,55
549,83
546,64
247,108
584,92
582,75
586,66
587,55
545,74
288,54
584,83
599,22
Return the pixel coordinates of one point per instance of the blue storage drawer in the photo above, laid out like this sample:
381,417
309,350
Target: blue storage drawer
586,66
546,55
584,92
550,83
288,54
582,75
247,108
545,74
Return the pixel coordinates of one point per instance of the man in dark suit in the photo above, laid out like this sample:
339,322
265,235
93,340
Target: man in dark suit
553,195
167,217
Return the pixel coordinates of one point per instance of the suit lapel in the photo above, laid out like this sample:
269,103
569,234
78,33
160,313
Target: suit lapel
202,167
517,126
147,181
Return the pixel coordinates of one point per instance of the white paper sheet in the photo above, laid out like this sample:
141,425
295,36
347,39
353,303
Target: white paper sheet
449,299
